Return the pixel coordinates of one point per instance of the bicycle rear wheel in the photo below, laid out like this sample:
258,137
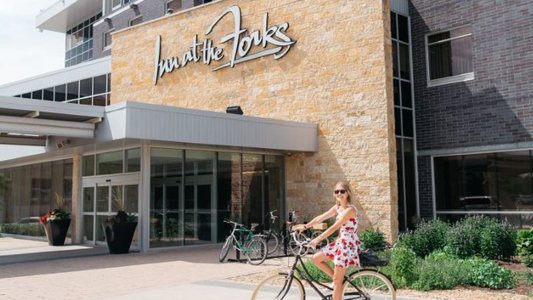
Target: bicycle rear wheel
225,249
370,284
256,251
272,241
279,286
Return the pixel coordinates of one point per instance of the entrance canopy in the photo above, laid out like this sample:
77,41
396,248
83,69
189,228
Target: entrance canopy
134,120
29,122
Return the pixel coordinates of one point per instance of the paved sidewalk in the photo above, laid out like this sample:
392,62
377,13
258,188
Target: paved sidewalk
63,273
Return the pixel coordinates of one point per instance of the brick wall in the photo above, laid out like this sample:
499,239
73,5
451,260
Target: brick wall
496,107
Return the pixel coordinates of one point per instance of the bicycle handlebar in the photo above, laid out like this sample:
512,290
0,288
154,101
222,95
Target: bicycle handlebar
233,223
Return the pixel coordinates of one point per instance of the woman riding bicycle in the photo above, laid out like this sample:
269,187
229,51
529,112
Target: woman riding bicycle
344,252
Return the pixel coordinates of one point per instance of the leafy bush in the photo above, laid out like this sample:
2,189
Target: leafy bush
403,266
528,276
441,271
318,274
497,241
22,229
373,240
527,261
429,236
524,242
482,236
486,273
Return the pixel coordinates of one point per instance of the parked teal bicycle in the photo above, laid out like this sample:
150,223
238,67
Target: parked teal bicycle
243,240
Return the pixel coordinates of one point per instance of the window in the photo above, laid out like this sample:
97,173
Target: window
107,39
174,6
136,21
450,56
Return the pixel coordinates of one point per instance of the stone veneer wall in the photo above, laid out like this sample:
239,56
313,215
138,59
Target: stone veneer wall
337,75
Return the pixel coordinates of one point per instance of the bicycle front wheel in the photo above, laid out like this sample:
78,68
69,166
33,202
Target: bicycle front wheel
225,249
272,242
256,251
369,284
280,286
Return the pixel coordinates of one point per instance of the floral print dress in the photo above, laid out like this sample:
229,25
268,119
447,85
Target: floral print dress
345,250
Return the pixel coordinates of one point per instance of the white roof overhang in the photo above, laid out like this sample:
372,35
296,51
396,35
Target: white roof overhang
30,122
65,14
133,120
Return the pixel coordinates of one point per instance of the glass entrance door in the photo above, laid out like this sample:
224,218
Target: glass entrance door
104,197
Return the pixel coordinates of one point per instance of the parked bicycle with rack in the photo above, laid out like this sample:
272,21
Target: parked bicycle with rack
243,240
277,239
364,283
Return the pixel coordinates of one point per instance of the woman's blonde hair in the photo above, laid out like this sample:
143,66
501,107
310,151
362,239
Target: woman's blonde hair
345,186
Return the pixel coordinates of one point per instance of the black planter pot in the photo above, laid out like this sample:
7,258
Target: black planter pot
119,236
56,232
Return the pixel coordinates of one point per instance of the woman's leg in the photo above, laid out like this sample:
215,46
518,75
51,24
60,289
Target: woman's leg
338,280
319,259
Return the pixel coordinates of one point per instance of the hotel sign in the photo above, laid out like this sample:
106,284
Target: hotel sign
272,40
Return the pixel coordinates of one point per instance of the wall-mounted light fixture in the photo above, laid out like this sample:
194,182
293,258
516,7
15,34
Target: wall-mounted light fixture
169,11
134,6
107,20
234,110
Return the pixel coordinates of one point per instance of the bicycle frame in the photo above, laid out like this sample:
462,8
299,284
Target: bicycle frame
247,236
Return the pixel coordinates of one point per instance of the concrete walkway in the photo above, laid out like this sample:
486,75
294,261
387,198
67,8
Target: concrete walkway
34,270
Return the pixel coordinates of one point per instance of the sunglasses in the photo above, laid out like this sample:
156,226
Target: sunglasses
339,191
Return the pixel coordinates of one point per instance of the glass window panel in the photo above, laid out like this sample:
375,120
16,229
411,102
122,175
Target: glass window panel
117,198
88,223
452,55
410,182
60,93
88,165
133,160
396,92
204,227
407,121
174,5
479,177
102,199
109,163
99,85
515,181
393,25
88,199
100,235
448,174
48,94
204,196
401,198
395,59
99,100
136,21
109,82
397,121
405,65
72,90
406,94
274,189
86,101
403,28
27,95
107,39
229,191
252,169
37,95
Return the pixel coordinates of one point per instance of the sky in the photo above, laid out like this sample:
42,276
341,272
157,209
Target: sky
24,50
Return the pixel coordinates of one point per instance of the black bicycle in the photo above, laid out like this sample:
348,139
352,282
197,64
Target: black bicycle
361,284
277,239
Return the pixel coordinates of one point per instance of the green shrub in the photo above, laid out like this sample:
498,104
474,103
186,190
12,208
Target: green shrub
318,274
486,273
482,236
429,236
528,276
497,241
441,271
524,242
403,266
527,261
373,240
22,229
